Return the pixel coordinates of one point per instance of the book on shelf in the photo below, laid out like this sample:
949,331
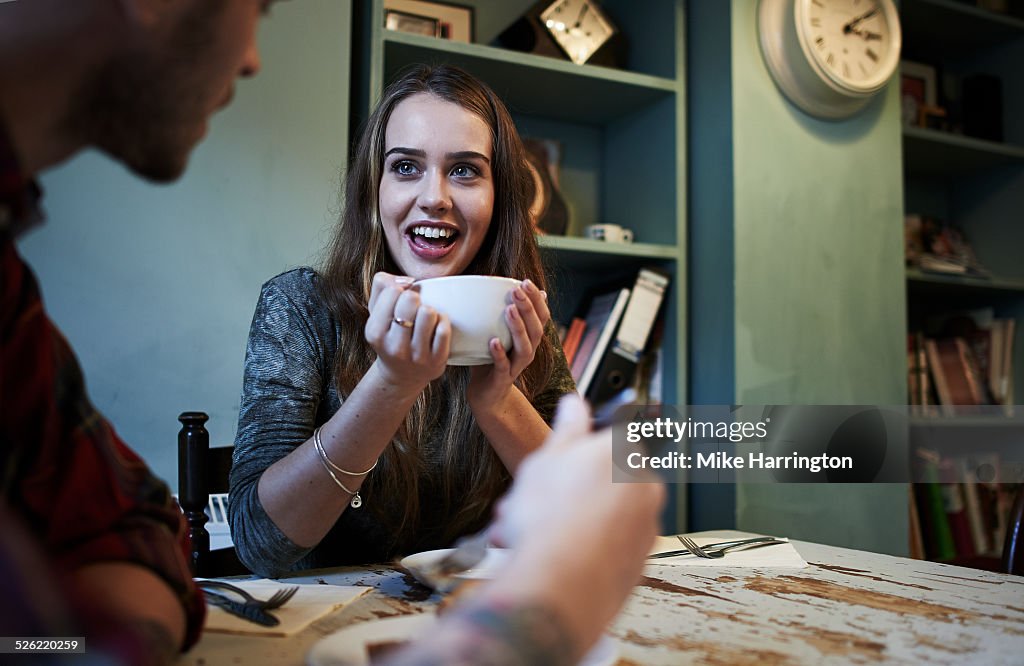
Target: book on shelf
917,551
931,507
602,317
995,496
995,361
955,507
649,383
971,373
979,344
978,504
574,334
949,374
912,369
621,329
919,384
618,368
969,361
923,384
1005,378
960,507
982,334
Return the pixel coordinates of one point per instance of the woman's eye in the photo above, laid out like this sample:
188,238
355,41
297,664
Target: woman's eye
464,171
404,168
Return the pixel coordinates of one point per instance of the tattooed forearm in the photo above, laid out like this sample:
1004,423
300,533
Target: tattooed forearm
487,635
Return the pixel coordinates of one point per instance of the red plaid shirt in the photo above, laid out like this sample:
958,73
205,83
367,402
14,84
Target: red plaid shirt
67,477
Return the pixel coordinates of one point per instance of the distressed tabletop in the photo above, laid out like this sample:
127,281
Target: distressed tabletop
847,606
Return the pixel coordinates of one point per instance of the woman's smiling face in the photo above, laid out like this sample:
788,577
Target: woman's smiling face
436,189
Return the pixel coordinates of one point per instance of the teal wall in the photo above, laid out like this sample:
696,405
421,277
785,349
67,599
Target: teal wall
816,283
155,285
711,265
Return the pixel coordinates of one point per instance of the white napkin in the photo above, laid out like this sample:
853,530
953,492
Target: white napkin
782,555
310,603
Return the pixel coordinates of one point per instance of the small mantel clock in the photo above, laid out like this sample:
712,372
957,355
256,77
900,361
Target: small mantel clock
577,29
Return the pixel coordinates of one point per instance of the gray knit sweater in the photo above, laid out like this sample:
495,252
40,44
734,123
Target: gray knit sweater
288,390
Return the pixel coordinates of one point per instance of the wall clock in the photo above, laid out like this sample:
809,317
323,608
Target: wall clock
830,57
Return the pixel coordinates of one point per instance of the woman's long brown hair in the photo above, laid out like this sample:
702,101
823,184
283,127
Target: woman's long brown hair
473,477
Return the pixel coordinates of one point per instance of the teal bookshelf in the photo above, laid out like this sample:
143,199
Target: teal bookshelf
622,134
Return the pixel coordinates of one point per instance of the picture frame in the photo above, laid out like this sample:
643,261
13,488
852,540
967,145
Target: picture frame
918,90
411,23
454,22
998,6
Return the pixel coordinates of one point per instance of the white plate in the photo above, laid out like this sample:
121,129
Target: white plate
492,563
348,646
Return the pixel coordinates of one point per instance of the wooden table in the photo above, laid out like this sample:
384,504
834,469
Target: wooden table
848,606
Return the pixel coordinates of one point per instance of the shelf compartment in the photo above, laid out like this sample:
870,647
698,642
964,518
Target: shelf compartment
937,29
585,254
535,85
588,245
969,420
934,153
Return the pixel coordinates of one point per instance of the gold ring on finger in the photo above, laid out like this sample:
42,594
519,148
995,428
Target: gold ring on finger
404,323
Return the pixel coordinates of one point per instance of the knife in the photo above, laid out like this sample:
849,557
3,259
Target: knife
469,551
669,553
241,609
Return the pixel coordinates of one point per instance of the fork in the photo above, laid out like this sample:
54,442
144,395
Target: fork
276,600
717,553
691,545
715,546
244,610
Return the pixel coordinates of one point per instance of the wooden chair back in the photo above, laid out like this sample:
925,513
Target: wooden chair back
1013,546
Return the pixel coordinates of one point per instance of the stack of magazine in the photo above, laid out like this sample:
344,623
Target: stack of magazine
934,246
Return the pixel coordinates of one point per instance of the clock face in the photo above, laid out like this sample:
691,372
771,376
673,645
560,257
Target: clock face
579,27
854,44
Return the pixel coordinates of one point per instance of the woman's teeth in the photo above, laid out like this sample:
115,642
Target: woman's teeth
433,232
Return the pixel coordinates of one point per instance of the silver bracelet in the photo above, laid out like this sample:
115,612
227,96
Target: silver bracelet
356,501
320,447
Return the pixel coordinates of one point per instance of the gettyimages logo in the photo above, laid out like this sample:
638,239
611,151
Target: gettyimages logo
808,444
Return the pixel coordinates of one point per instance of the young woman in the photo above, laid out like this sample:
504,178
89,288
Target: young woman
356,442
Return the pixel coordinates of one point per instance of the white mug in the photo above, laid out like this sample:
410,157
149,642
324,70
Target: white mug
611,233
475,304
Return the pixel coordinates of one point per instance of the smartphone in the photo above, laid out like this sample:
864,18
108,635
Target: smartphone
610,412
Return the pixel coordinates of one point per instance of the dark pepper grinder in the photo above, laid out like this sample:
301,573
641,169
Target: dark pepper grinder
193,493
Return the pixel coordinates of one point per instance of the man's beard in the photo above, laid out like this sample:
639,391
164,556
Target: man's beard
138,119
145,109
